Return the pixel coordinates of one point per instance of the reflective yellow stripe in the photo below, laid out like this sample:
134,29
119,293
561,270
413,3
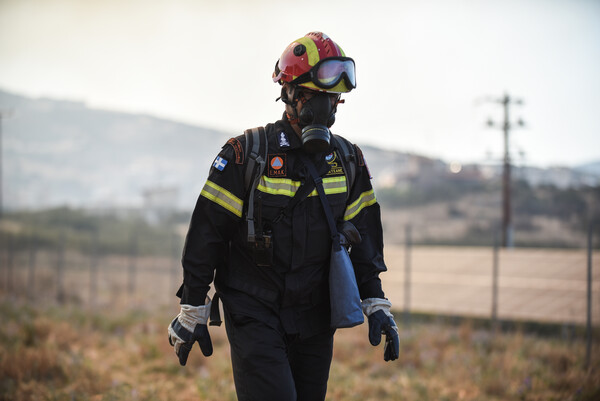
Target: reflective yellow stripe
288,187
334,185
365,199
278,186
222,197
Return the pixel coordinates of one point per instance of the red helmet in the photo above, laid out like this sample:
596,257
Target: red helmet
316,62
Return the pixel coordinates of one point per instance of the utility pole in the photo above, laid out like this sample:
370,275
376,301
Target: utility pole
3,116
1,161
507,228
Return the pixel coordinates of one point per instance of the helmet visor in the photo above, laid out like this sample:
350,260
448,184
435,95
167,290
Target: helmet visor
329,72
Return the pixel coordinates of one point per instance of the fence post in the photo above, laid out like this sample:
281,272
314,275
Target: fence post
407,276
60,265
10,258
2,256
588,329
94,256
495,284
132,270
174,265
31,267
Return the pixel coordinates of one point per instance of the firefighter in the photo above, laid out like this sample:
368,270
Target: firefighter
274,283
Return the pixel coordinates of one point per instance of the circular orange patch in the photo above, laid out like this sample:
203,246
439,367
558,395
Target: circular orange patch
276,163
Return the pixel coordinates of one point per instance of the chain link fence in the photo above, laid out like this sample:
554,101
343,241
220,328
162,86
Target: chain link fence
534,284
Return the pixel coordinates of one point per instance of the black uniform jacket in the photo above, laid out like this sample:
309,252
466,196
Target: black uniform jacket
292,293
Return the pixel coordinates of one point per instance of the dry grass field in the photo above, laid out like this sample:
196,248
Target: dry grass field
72,353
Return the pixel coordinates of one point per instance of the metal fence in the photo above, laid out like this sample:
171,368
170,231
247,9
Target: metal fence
93,279
535,284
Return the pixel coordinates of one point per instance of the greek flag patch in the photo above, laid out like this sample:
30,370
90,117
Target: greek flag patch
219,163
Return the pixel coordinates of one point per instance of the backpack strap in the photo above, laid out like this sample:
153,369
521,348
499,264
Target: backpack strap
254,170
251,178
348,161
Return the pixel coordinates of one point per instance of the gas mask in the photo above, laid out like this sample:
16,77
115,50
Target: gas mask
316,116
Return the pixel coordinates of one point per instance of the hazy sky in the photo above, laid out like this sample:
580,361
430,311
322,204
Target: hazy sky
425,69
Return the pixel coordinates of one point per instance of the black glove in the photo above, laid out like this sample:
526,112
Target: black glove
183,338
381,323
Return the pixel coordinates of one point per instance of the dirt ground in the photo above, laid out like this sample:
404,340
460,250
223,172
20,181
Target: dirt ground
533,284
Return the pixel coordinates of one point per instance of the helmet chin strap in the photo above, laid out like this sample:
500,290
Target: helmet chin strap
293,102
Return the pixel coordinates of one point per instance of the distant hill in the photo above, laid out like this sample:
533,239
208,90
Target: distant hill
590,168
60,152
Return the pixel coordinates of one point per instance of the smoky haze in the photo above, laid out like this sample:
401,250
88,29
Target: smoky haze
424,69
58,152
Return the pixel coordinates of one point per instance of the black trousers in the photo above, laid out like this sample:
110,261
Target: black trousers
269,365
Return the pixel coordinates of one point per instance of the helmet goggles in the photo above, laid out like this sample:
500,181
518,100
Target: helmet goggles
329,72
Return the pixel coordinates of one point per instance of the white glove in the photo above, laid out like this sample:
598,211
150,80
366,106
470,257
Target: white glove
188,327
372,305
381,321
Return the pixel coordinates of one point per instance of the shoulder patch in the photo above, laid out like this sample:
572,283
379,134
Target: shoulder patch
277,165
238,149
361,158
362,162
219,163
